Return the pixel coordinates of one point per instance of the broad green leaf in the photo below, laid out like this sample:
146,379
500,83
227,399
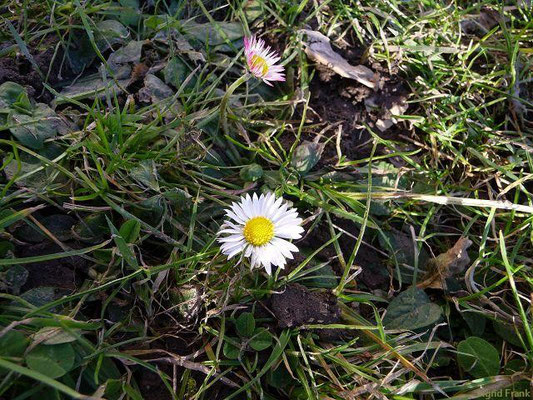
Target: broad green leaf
230,351
53,361
131,53
145,173
478,357
175,72
400,246
13,344
130,13
306,156
323,277
475,321
275,356
92,228
42,295
411,309
59,225
53,335
251,173
214,35
130,230
245,324
9,93
109,32
186,298
94,86
32,130
508,332
261,340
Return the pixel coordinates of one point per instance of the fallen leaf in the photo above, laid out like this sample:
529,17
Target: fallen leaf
154,90
319,49
387,107
129,53
446,265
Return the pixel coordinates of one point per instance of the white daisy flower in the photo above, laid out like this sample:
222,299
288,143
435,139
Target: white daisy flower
258,228
262,61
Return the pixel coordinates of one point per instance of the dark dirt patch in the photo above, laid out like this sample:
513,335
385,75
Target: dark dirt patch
20,70
61,273
297,306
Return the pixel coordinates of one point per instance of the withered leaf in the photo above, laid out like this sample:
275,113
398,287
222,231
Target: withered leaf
446,265
318,48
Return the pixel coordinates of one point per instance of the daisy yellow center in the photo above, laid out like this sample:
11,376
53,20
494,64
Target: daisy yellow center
258,231
260,62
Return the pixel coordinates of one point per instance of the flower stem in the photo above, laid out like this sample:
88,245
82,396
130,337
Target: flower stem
224,106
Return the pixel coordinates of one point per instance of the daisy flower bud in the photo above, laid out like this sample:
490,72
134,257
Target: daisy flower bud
258,228
262,61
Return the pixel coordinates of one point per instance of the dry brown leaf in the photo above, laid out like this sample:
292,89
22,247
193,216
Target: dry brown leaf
318,48
446,265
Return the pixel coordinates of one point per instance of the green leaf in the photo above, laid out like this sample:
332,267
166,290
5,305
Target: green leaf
32,130
130,230
306,156
42,295
230,351
275,356
130,13
6,248
123,247
475,321
175,72
59,225
478,357
245,324
13,344
251,173
400,246
508,332
52,335
411,309
253,9
53,361
108,33
9,93
323,277
92,228
16,277
145,173
94,86
131,53
23,102
214,35
261,340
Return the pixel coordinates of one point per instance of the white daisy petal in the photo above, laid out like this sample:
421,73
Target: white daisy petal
291,232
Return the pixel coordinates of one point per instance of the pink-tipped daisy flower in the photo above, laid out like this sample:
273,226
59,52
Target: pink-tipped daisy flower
262,61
